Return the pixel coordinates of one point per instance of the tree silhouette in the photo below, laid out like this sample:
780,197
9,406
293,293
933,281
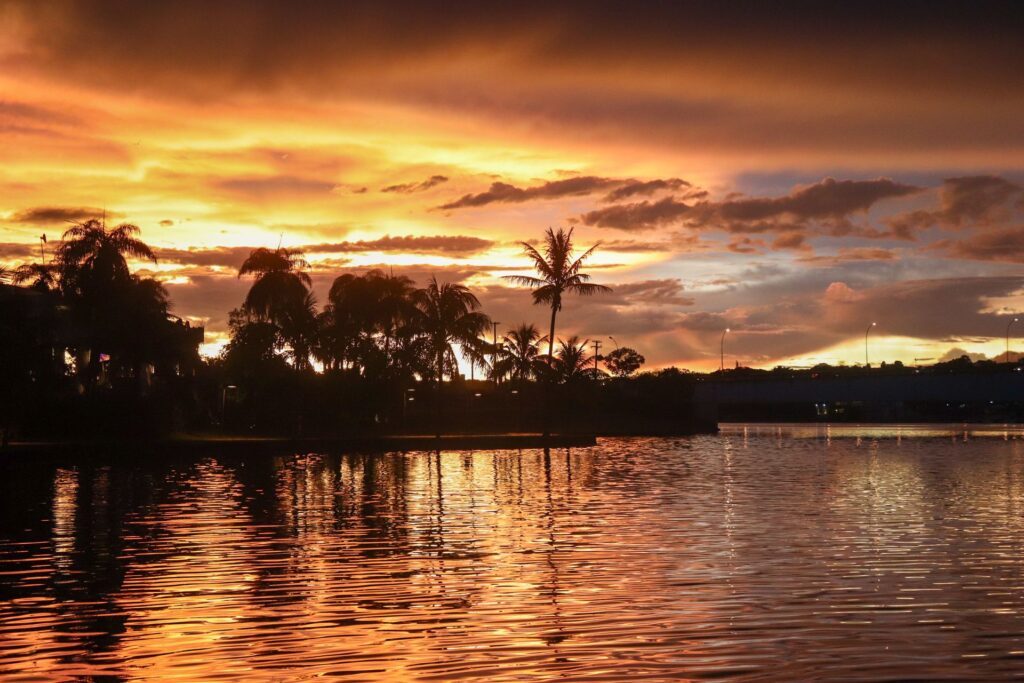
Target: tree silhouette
92,260
559,274
363,317
623,361
519,355
40,276
449,314
92,266
572,363
281,295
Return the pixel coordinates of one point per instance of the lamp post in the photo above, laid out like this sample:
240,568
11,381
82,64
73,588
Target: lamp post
614,342
494,352
405,401
721,366
224,401
1008,326
866,333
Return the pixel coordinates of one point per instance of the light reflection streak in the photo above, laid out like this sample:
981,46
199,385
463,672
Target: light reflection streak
689,557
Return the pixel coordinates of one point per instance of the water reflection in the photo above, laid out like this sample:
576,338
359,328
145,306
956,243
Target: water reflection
771,551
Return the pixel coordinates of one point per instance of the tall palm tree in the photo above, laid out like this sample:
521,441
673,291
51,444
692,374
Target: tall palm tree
92,260
519,354
449,314
280,285
92,265
559,274
281,295
4,274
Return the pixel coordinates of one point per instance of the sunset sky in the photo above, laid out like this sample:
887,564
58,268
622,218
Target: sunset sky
792,175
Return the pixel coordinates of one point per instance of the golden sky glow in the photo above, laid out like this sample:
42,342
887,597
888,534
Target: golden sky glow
781,178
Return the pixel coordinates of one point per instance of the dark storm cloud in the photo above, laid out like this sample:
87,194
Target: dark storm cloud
790,240
46,215
746,245
645,187
850,254
661,292
977,199
966,202
1005,245
638,216
407,188
554,189
774,63
451,245
232,257
16,251
274,186
634,246
227,257
828,201
217,39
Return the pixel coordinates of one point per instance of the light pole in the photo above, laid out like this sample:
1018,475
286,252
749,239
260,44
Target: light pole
494,352
721,366
614,342
1008,326
224,401
866,333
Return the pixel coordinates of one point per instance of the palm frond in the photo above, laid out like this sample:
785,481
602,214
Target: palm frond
525,280
589,288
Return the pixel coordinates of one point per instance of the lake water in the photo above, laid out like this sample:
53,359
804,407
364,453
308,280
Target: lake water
766,552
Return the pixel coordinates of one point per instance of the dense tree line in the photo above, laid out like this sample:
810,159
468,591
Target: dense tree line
81,324
380,325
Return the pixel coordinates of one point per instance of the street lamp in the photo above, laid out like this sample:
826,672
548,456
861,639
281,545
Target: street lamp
722,349
224,401
1008,326
613,341
866,333
494,353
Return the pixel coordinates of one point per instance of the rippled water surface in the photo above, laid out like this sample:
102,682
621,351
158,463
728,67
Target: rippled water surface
766,552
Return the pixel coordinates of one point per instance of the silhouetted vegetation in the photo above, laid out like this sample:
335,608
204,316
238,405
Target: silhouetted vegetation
83,342
624,361
89,347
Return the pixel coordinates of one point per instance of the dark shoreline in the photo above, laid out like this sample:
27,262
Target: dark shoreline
248,445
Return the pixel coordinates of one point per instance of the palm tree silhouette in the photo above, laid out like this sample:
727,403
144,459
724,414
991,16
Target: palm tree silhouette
559,273
41,276
572,362
519,355
92,265
448,314
364,315
92,260
280,282
281,295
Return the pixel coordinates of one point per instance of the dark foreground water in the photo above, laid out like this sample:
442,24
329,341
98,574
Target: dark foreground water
766,552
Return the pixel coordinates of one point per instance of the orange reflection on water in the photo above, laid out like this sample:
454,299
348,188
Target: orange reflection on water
756,552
